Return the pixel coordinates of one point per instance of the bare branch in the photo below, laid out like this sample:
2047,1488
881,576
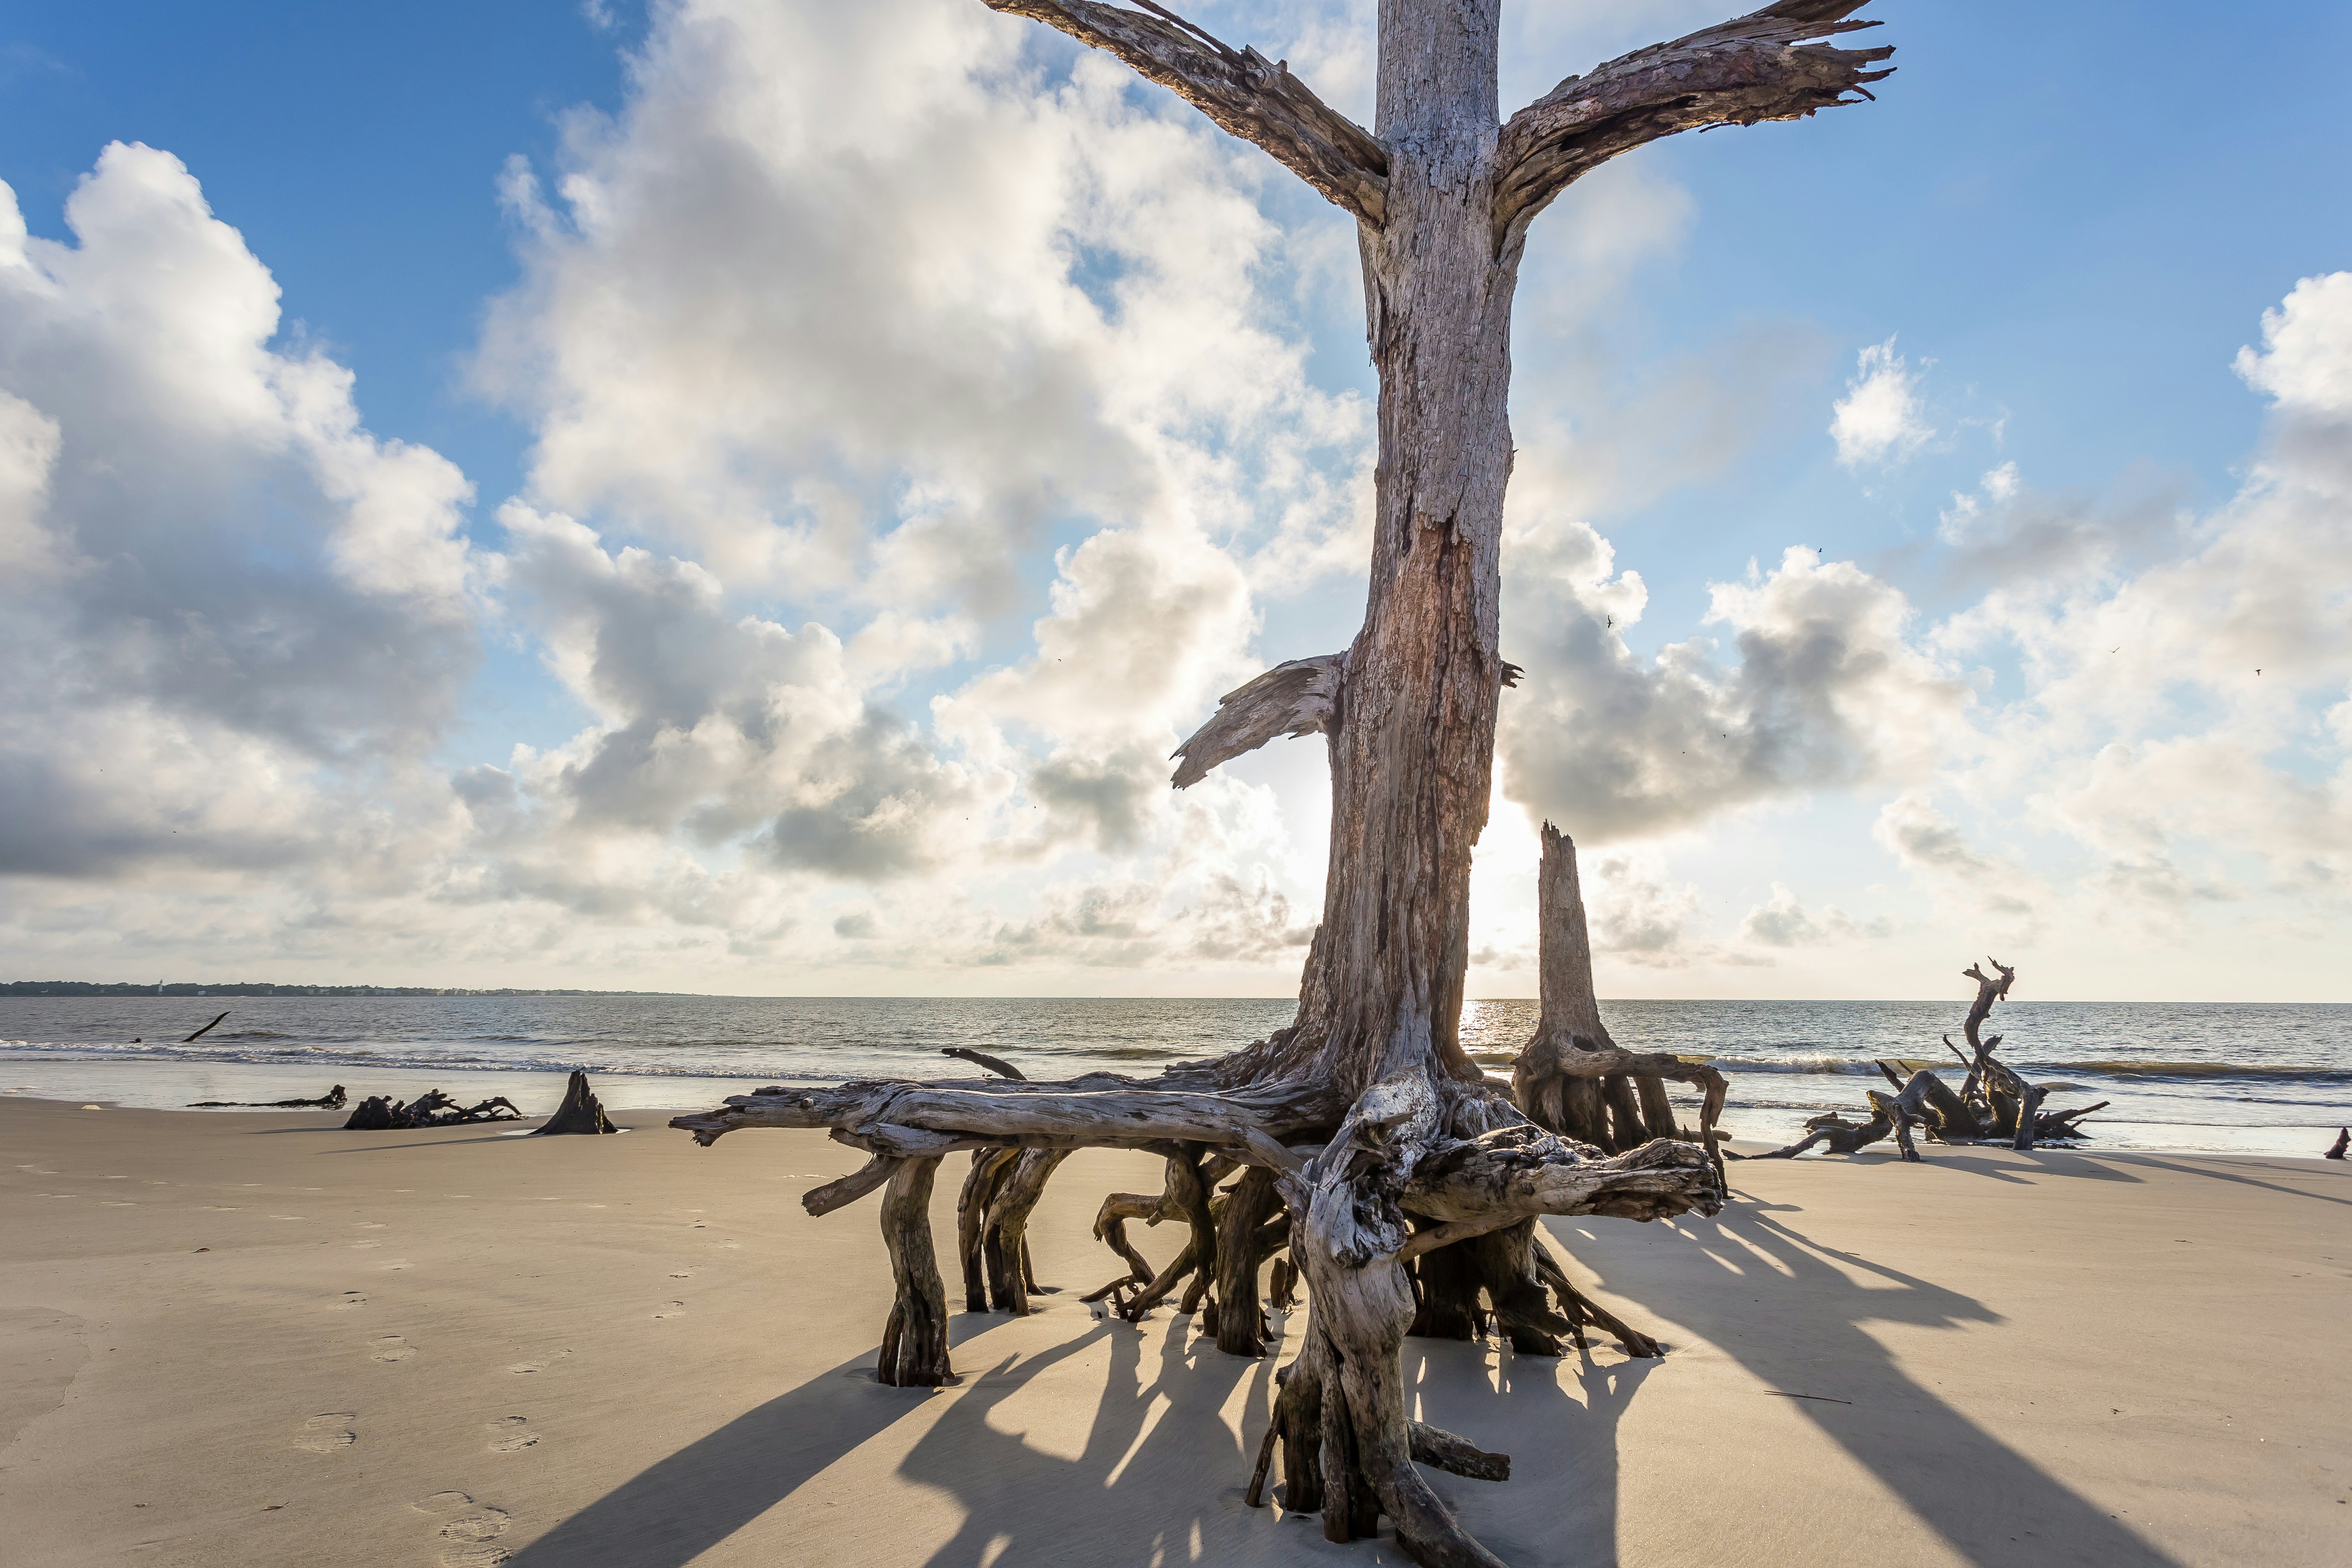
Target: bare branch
1246,94
904,1119
1294,698
848,1189
1750,69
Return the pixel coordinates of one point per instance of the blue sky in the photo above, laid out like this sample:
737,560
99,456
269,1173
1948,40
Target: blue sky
2058,228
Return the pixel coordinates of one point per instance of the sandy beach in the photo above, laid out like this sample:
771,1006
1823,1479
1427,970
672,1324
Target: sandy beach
255,1339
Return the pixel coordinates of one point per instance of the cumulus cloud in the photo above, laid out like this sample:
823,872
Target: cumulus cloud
232,612
1826,691
1881,419
861,300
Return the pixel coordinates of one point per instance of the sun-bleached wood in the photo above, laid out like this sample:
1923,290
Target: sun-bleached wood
1293,698
915,1340
1760,66
1571,1077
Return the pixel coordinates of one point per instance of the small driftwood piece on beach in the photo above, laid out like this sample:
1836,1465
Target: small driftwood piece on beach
382,1113
1994,1104
581,1111
330,1101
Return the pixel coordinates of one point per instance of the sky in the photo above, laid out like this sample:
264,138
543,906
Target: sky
744,496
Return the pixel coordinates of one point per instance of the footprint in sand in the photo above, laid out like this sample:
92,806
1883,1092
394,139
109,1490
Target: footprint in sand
520,1367
391,1347
508,1436
470,1529
352,1299
683,1274
326,1434
674,1310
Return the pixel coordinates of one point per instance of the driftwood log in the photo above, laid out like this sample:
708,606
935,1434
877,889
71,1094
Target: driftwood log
1383,1142
381,1113
207,1029
581,1111
330,1101
1994,1104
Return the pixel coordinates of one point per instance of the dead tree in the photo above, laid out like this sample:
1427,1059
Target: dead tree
1366,1107
1994,1104
581,1111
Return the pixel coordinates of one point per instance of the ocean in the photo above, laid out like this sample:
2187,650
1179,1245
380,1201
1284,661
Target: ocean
2189,1076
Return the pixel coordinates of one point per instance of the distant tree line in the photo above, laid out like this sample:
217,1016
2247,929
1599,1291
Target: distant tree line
263,988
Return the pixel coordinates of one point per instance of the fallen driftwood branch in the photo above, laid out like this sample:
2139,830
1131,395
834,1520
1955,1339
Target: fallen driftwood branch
207,1029
381,1113
581,1111
330,1101
1994,1104
996,1065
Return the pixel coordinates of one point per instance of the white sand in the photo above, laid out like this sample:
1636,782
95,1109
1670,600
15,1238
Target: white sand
630,1351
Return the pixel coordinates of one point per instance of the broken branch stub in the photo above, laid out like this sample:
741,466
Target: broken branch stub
1294,698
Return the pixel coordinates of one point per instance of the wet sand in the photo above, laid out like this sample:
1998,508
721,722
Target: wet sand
255,1338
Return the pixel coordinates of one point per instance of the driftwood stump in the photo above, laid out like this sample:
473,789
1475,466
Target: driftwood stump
1571,1077
581,1111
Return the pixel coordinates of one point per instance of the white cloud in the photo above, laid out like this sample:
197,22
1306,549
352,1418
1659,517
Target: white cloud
1784,921
1827,692
2306,362
236,620
1881,419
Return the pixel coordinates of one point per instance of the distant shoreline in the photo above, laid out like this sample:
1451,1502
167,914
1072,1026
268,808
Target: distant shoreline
264,988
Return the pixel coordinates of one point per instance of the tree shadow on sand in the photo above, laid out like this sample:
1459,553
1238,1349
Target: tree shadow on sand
1795,1313
1159,1477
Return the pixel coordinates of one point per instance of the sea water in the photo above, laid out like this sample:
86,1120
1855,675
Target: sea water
2247,1077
